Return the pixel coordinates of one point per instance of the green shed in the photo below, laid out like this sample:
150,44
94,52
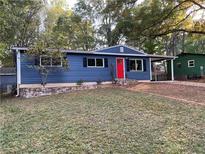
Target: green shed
189,66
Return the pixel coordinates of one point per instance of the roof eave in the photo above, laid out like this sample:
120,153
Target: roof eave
161,56
19,48
104,53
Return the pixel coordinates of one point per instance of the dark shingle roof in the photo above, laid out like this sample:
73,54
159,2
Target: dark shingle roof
185,53
7,70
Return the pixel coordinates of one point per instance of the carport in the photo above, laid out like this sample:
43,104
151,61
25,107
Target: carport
7,79
159,59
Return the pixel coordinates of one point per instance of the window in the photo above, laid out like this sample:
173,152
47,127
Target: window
45,61
91,62
99,62
50,62
95,62
132,65
57,61
191,63
136,64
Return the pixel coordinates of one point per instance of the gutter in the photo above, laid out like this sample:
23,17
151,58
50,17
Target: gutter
106,54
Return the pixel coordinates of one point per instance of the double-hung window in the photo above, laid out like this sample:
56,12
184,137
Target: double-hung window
49,61
191,63
95,62
136,64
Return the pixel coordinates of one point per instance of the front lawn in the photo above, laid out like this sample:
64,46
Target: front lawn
101,121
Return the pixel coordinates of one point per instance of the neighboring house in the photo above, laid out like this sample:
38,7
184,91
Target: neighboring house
7,79
89,66
189,66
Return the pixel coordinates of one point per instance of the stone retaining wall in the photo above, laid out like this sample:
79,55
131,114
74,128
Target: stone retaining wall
36,91
45,91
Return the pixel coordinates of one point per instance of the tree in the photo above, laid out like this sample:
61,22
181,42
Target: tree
52,12
19,21
171,17
85,14
104,14
143,25
19,25
43,47
73,32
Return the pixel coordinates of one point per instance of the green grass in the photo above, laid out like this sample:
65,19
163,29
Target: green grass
101,121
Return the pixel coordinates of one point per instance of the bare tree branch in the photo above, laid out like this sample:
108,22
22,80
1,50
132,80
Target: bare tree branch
161,19
178,23
178,30
198,4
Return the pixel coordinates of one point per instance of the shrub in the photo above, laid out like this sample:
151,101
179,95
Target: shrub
99,82
79,82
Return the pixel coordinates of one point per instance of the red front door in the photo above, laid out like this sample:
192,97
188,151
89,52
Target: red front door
120,68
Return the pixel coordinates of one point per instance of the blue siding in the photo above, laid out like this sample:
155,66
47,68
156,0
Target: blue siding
76,71
7,80
116,49
131,51
145,75
29,75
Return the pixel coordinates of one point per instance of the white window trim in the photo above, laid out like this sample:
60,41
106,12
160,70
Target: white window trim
51,62
96,63
189,63
135,65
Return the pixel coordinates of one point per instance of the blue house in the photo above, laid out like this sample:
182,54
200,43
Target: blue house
119,62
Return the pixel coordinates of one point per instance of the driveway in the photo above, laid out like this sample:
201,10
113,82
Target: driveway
186,92
185,83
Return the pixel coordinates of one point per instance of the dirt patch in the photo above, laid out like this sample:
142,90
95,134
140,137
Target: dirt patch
187,94
199,80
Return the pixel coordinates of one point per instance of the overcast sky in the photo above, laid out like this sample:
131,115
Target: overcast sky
71,3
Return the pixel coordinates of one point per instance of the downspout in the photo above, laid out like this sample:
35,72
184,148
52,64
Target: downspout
18,91
172,69
18,66
150,68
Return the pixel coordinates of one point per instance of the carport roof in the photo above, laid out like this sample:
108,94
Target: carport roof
157,58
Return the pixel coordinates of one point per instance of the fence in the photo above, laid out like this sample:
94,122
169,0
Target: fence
160,77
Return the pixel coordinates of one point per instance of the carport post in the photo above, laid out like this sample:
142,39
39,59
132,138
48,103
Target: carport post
172,69
150,68
18,65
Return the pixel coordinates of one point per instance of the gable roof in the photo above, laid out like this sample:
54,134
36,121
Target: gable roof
128,51
125,50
